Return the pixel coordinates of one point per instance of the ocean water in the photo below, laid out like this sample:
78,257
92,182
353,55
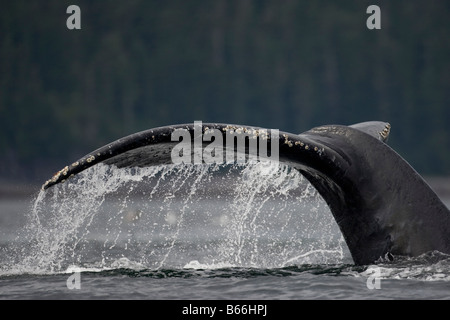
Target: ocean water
258,231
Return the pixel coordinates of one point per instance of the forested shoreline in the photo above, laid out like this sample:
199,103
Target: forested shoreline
289,65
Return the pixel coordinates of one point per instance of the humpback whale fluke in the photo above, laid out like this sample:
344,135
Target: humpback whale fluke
380,203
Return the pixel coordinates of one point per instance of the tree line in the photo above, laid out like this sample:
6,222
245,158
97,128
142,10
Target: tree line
289,65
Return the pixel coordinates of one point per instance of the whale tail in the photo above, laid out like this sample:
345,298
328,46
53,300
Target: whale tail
380,203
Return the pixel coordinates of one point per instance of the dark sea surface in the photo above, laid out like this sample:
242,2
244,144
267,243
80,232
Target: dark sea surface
254,232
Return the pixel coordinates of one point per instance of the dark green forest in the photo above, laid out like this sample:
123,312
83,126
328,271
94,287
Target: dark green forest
286,64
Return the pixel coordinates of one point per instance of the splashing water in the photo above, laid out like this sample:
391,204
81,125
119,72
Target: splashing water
260,214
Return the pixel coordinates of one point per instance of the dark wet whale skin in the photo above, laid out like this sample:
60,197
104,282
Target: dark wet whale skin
381,204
